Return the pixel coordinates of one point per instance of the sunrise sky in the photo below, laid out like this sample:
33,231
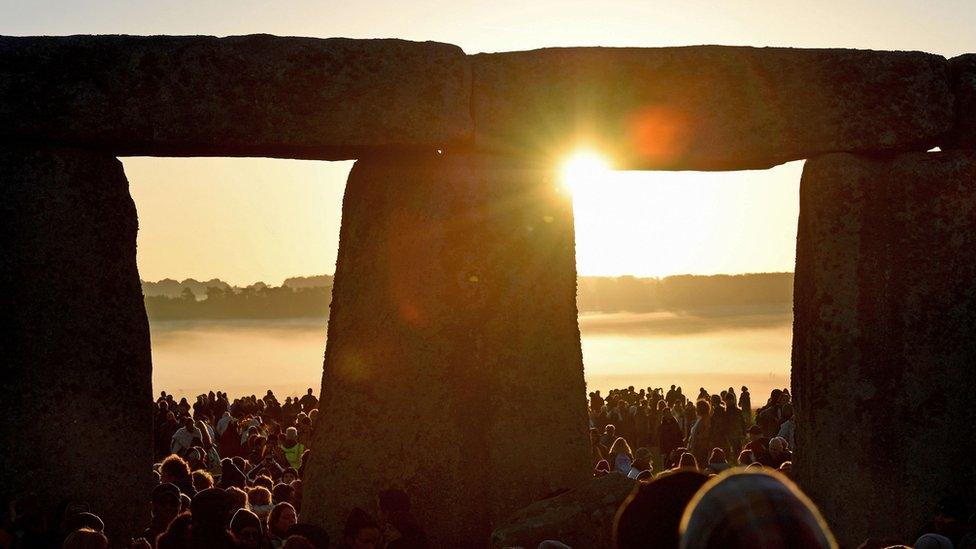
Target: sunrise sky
244,220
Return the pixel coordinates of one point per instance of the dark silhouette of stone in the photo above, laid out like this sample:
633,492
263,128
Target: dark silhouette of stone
883,347
579,518
76,422
453,367
708,107
255,95
963,69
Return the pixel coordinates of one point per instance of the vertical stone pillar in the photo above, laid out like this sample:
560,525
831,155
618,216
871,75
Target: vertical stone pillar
76,422
453,367
884,347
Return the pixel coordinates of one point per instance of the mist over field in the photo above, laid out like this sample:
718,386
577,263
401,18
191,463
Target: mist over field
732,346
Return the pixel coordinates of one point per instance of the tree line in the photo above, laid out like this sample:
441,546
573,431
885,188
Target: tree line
310,296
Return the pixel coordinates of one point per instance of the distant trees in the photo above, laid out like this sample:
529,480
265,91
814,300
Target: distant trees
251,302
311,296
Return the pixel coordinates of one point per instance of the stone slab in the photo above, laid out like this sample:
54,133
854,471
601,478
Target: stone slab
453,366
582,517
708,107
963,70
256,95
76,423
883,347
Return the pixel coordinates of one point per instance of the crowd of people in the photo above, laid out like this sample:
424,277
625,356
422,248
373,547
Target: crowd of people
709,472
713,431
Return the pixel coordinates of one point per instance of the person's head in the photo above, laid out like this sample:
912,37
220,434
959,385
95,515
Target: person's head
744,509
717,456
264,481
238,498
778,445
787,411
165,503
687,461
289,475
85,538
774,396
651,514
643,454
361,531
202,480
259,501
211,511
188,423
620,446
746,457
283,516
177,534
744,389
174,469
755,432
309,391
610,430
703,408
247,528
291,434
932,541
283,493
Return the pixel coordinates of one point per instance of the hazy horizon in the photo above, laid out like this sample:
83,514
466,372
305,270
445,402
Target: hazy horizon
619,349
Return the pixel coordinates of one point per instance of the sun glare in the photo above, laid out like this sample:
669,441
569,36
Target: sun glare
584,170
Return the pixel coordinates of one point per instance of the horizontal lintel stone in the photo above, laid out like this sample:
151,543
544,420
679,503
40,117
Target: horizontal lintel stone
256,95
708,107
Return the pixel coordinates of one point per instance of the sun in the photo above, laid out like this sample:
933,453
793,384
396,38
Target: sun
584,170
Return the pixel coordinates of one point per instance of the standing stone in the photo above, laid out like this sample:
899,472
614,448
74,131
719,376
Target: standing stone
708,107
883,348
453,367
256,95
963,69
77,421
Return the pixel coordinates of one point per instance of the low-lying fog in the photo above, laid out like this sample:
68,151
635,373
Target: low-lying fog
716,350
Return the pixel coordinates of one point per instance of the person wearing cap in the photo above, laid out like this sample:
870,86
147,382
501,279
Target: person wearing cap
164,506
745,509
292,449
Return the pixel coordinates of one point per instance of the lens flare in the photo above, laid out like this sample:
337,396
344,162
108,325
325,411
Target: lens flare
585,169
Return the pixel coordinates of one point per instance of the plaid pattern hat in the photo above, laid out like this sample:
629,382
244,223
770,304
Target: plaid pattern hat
754,509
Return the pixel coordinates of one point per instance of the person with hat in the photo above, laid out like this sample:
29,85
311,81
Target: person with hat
164,506
758,445
739,509
292,449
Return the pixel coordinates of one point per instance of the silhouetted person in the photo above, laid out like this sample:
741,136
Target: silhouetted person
651,515
748,509
308,401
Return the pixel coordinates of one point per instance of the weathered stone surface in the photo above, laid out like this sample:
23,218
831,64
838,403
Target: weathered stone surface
579,518
963,70
253,95
708,107
76,360
883,347
453,366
